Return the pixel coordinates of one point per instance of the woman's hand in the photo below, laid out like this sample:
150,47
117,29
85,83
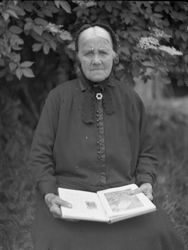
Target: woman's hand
145,188
54,202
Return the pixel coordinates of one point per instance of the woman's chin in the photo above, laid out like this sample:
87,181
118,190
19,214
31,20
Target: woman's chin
97,78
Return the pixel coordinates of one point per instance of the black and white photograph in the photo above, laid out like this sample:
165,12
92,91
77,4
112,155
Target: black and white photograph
93,125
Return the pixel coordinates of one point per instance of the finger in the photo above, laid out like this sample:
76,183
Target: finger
149,195
135,191
63,203
55,210
129,192
147,191
146,186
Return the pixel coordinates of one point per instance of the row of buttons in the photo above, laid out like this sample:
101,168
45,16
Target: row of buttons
100,138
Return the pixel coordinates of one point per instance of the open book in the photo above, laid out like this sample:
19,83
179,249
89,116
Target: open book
109,205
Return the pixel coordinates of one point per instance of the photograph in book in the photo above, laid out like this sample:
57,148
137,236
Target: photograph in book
120,205
120,201
85,205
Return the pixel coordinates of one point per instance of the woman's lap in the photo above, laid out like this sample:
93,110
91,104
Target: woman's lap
152,231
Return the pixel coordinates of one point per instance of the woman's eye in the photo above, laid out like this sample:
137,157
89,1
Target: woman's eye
102,52
92,53
89,53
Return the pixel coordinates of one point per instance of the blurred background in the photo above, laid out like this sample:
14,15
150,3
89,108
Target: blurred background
37,53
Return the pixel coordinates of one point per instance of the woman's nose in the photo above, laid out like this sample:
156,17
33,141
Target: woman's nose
96,59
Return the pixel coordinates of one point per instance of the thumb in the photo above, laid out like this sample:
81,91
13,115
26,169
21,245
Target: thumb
135,191
146,188
63,203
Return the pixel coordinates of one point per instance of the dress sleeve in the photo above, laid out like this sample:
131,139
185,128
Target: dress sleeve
147,160
41,159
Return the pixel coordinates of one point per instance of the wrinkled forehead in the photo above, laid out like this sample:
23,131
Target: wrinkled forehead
92,33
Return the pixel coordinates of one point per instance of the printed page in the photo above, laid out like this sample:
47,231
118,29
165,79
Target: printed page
85,205
120,204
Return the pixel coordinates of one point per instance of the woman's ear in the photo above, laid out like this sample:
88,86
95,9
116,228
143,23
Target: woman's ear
116,59
78,60
77,64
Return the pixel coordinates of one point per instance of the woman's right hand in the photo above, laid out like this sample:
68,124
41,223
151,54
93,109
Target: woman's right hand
54,202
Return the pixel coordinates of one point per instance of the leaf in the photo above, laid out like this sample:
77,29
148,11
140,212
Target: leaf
2,62
126,51
19,73
37,46
47,12
41,21
64,4
157,15
127,19
52,8
184,36
28,25
65,35
3,72
57,4
186,59
46,48
100,4
5,16
38,29
12,13
12,66
28,72
16,40
178,33
38,38
91,4
26,64
19,11
159,8
28,6
53,45
108,6
16,57
15,29
148,64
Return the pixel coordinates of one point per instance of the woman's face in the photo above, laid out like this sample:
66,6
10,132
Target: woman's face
96,57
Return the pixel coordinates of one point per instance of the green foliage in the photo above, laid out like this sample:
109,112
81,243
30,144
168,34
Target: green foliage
19,19
133,20
37,48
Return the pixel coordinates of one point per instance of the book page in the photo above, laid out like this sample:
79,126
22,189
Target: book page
85,205
119,203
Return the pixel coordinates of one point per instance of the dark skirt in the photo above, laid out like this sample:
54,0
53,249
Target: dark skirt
153,231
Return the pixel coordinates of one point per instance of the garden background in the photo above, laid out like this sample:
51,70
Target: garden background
37,54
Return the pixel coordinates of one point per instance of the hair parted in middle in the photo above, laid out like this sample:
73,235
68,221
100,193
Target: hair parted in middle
104,26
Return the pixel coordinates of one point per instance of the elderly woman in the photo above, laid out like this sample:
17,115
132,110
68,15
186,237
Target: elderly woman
93,135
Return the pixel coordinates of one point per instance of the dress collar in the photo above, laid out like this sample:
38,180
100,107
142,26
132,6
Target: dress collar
84,83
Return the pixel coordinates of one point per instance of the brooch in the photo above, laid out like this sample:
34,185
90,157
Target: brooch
99,96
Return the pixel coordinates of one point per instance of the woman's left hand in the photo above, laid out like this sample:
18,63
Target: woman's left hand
145,188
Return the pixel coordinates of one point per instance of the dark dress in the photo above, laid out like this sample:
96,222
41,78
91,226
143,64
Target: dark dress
113,151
